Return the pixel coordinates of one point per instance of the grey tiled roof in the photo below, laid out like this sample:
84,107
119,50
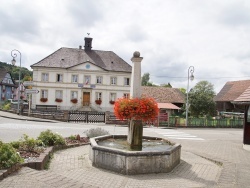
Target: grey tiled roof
163,94
69,57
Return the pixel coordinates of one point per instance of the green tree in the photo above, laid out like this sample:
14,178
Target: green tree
14,71
183,90
167,85
201,99
145,80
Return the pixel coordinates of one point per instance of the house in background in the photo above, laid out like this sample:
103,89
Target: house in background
81,79
7,85
22,94
230,92
170,100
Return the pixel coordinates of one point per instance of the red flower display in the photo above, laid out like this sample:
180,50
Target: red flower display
58,100
98,101
44,99
144,109
74,100
112,102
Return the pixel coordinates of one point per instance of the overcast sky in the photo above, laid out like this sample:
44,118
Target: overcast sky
171,35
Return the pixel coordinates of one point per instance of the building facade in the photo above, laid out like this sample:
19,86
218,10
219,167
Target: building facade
7,85
81,79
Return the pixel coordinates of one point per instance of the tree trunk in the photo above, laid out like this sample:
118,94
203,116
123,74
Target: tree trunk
135,132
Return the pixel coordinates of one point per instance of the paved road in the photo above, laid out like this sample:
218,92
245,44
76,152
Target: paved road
210,158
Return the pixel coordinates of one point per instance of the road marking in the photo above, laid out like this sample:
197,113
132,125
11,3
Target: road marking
173,134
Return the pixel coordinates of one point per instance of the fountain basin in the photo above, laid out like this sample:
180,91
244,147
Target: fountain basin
133,162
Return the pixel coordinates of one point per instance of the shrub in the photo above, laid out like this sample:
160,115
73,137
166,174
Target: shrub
6,106
28,144
96,132
50,139
8,156
15,144
72,137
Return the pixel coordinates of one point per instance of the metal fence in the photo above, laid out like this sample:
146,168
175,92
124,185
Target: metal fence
86,117
205,122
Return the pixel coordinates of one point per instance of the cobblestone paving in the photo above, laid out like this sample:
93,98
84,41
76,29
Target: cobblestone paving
72,168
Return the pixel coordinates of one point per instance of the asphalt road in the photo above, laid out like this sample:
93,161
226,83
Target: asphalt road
11,129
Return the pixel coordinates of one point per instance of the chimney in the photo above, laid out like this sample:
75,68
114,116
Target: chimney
80,47
88,43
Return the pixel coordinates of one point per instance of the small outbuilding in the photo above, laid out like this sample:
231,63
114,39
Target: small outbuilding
244,101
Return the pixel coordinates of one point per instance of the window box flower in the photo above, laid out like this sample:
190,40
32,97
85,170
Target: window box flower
74,101
58,100
44,99
112,102
98,101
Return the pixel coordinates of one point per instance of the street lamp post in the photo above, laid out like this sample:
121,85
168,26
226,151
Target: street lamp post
14,55
191,77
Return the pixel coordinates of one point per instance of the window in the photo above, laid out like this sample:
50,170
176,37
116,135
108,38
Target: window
59,94
126,95
98,79
74,94
126,81
59,77
74,78
44,93
45,77
3,87
112,96
113,81
87,80
98,96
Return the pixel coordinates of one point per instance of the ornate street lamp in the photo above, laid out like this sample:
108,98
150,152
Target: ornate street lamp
14,55
191,77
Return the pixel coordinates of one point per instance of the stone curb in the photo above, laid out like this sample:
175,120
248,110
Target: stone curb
40,162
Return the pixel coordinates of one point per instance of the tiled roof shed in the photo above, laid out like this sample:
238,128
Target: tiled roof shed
163,94
232,90
69,57
244,98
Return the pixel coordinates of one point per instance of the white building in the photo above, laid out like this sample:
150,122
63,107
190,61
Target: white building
84,76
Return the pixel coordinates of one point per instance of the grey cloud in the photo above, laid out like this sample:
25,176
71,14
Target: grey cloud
21,22
136,33
235,15
84,12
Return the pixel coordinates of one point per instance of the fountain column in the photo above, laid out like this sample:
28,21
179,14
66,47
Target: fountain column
135,90
135,128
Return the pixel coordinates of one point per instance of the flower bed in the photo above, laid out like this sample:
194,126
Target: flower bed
33,153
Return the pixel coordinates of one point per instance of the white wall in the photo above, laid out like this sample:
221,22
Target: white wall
66,86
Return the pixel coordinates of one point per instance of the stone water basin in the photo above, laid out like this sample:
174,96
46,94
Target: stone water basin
112,153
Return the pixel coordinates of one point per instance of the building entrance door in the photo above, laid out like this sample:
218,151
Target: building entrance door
86,99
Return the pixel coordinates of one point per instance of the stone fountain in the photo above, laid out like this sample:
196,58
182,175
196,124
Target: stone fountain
145,154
